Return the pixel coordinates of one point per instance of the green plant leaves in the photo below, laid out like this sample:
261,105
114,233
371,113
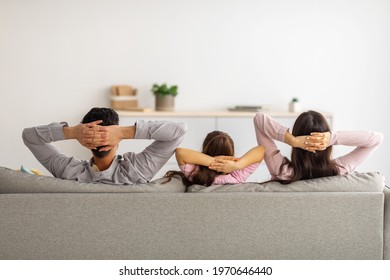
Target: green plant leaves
164,89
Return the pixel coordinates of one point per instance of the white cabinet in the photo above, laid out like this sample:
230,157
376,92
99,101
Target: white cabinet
238,125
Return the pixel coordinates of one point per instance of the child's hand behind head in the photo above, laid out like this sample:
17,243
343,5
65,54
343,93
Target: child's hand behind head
224,165
217,158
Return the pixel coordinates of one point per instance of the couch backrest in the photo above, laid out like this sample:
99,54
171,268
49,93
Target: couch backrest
12,181
355,182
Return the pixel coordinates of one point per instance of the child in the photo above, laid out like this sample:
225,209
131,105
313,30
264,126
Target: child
216,163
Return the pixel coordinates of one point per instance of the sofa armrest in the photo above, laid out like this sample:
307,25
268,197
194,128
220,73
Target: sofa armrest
386,225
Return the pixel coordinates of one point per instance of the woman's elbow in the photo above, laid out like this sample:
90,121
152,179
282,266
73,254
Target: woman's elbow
258,117
259,120
378,138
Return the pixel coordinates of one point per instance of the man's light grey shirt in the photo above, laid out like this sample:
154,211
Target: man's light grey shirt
129,168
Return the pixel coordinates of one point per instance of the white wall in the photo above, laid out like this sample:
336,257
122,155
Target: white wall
59,58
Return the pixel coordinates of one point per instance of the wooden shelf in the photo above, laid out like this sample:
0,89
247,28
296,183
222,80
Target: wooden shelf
224,114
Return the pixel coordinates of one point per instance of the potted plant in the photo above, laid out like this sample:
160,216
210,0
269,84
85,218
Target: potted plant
164,96
295,105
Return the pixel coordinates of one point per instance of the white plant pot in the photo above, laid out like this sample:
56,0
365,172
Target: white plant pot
295,107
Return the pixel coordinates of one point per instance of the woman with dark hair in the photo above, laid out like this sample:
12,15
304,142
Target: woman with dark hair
311,140
218,147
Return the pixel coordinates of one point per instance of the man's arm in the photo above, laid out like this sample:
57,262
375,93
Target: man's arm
40,140
166,135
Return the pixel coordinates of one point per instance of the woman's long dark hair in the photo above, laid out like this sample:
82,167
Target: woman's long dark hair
216,143
308,165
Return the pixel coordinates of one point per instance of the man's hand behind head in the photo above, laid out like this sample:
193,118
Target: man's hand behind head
110,136
90,135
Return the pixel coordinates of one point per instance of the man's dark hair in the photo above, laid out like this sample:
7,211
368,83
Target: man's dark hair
108,116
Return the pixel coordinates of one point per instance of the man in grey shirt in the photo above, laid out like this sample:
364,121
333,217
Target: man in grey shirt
100,132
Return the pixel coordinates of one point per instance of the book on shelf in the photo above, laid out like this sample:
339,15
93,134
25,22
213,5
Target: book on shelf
250,108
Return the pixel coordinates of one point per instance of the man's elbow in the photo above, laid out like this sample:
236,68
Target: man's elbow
181,129
25,136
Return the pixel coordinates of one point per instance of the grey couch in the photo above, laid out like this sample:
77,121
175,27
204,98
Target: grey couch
341,217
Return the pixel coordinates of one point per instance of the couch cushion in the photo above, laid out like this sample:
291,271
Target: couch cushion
12,181
355,182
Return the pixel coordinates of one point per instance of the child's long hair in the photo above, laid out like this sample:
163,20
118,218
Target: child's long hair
216,143
308,165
